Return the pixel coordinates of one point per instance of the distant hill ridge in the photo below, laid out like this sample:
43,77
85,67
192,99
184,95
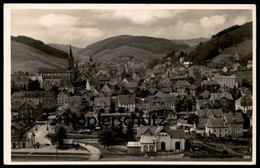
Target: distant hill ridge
37,44
149,44
218,43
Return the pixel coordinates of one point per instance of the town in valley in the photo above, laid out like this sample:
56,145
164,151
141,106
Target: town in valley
189,104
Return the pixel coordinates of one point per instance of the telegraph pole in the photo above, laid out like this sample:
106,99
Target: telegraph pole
57,149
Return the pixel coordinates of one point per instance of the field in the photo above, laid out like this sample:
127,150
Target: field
242,49
27,59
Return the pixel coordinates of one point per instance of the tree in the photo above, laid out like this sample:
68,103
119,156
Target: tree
34,85
107,137
101,110
188,104
120,131
130,132
58,136
246,83
141,113
191,80
74,120
112,110
55,89
192,119
121,110
179,104
136,110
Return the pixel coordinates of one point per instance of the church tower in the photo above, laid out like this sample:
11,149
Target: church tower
70,61
71,67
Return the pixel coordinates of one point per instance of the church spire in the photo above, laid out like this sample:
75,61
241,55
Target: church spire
87,86
70,53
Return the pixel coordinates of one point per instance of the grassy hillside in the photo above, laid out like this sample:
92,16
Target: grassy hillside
28,59
150,44
39,45
243,49
223,40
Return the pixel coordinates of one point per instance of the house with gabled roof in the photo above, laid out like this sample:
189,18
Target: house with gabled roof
204,104
67,85
205,94
83,78
244,103
47,99
107,88
65,118
234,121
20,139
216,127
29,112
62,97
205,114
182,86
159,138
224,99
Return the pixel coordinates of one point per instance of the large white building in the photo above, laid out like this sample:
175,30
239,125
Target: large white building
227,81
158,138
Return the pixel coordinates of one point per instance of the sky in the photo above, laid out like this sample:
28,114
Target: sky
82,27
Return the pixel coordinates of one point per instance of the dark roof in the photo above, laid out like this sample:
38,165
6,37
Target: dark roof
64,91
155,130
205,94
217,113
175,133
202,103
234,117
17,126
180,77
218,96
54,77
151,129
126,99
215,123
181,83
47,70
29,102
102,77
23,94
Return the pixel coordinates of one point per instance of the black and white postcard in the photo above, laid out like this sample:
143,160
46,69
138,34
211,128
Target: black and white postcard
129,84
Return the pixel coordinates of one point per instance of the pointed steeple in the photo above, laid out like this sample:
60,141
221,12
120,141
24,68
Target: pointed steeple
87,85
70,53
